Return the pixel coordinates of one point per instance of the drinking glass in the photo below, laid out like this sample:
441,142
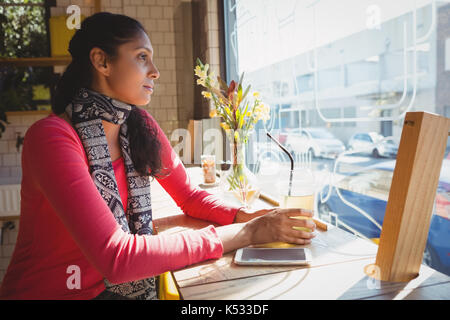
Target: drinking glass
208,168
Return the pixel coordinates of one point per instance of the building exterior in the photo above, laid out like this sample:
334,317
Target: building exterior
351,83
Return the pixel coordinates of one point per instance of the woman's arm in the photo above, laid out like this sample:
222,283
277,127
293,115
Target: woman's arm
54,158
270,225
193,201
244,215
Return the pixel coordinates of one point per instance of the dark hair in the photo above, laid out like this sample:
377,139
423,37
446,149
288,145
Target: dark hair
108,31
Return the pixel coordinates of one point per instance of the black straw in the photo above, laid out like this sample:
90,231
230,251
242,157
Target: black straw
290,157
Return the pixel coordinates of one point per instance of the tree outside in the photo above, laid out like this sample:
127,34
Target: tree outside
23,34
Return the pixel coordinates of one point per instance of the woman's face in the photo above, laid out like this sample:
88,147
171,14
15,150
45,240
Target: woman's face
132,72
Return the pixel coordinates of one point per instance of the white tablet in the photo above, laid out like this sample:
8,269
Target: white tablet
273,256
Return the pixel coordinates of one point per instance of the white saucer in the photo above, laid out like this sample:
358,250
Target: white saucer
209,185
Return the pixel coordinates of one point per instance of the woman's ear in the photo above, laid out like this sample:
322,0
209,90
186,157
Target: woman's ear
99,61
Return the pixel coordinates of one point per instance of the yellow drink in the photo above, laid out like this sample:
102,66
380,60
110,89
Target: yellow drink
302,189
303,202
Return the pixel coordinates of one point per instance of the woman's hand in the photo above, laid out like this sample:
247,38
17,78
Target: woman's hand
266,225
277,225
244,215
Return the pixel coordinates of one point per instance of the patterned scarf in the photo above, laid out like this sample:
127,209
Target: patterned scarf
87,110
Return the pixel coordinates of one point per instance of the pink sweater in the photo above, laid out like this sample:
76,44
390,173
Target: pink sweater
65,222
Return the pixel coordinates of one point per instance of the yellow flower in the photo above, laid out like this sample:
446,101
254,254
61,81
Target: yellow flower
249,114
257,111
213,113
198,71
262,112
236,136
206,94
201,82
265,112
201,73
212,77
225,126
256,94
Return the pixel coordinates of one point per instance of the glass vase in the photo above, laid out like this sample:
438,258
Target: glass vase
238,181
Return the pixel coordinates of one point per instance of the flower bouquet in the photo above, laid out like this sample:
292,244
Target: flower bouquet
239,113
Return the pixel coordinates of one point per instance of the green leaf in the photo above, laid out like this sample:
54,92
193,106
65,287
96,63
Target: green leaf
239,97
235,101
223,85
241,79
246,92
246,108
231,180
227,116
243,116
241,120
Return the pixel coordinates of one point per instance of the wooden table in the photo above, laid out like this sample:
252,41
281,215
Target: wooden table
337,270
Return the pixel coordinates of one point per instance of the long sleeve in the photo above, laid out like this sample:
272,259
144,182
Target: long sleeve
58,165
193,201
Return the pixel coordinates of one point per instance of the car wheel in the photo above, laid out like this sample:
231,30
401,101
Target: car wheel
375,153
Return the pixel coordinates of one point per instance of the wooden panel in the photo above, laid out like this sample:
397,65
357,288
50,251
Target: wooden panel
430,292
345,281
411,197
9,218
333,246
337,272
36,62
27,113
97,6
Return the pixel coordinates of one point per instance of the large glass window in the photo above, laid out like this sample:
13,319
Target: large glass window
340,77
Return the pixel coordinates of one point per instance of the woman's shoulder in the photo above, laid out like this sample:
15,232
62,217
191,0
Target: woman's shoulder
52,121
51,126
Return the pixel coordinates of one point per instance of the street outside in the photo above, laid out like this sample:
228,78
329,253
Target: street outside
271,170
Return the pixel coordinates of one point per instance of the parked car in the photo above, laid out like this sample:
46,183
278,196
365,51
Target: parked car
318,141
372,143
369,191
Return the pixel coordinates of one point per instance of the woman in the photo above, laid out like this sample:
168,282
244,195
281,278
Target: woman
85,225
